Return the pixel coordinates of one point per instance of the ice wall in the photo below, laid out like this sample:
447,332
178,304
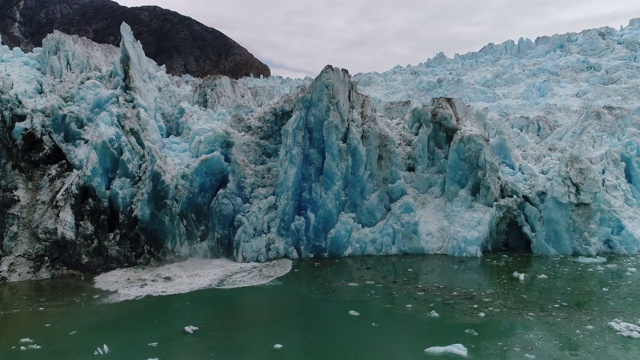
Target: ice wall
107,161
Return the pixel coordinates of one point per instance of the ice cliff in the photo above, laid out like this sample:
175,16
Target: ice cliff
107,161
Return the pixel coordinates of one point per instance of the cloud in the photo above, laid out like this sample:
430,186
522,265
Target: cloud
301,37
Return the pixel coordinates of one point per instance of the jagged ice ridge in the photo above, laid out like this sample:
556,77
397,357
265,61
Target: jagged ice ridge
107,161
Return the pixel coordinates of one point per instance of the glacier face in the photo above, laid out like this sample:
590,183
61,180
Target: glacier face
107,161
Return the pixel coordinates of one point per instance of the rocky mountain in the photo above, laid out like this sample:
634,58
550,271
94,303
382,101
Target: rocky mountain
184,45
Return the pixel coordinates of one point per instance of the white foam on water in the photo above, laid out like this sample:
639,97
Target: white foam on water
625,329
455,349
186,276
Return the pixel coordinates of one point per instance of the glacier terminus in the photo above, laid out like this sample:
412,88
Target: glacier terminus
106,161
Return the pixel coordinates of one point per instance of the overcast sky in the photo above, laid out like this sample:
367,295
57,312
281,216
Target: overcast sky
298,38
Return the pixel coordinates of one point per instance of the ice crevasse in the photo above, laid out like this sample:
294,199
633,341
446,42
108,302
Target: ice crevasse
107,161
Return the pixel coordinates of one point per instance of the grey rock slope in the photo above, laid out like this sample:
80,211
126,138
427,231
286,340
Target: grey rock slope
184,45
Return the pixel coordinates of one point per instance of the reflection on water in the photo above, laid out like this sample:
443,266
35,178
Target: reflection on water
404,304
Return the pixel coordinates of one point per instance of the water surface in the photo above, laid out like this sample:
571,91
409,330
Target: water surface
404,304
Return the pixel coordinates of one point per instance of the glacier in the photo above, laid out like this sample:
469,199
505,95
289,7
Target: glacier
107,161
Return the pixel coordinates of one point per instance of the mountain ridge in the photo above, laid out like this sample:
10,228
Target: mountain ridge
181,43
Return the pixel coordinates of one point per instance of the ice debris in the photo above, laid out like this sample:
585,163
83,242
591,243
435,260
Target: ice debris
190,329
471,332
354,313
101,351
277,346
519,276
591,260
625,329
455,349
189,275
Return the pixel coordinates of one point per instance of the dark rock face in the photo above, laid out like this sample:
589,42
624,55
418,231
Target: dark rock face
184,45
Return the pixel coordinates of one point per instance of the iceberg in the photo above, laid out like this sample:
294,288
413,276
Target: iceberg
108,162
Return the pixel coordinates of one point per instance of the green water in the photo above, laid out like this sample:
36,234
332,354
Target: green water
307,311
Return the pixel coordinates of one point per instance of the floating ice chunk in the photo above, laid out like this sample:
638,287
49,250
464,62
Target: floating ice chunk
591,260
353,284
542,276
190,329
189,275
34,346
529,356
631,269
481,314
519,276
106,348
23,348
369,282
625,329
152,359
73,332
434,314
154,344
455,349
277,346
353,313
471,332
98,351
26,340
